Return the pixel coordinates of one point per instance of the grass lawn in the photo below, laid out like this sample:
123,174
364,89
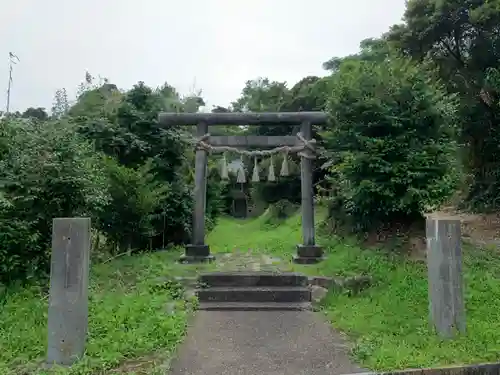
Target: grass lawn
130,327
387,323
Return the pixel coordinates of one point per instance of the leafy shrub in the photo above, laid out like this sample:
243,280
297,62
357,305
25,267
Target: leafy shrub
128,132
46,170
217,190
391,141
178,209
277,212
135,197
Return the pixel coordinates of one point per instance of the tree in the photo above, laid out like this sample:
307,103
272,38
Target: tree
130,134
461,38
391,142
46,170
61,104
36,114
135,196
220,109
371,49
263,95
105,157
97,102
307,95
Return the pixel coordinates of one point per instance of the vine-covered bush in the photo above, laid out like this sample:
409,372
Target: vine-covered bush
392,142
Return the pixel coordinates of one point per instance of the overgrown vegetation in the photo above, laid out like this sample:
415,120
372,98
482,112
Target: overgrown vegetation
414,120
392,141
278,212
106,158
47,170
137,317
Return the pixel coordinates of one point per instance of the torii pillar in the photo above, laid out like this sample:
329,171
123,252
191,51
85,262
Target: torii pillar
307,252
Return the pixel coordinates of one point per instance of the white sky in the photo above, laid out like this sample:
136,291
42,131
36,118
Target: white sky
212,45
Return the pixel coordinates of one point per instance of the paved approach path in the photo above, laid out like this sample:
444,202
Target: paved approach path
261,343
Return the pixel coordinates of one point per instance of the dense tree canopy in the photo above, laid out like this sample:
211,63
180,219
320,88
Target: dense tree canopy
392,138
461,39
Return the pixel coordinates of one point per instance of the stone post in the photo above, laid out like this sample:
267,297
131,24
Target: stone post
198,251
444,265
308,252
68,300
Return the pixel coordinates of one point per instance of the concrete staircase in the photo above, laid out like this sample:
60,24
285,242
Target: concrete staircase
252,291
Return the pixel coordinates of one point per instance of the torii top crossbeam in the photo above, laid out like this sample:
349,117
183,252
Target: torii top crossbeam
239,118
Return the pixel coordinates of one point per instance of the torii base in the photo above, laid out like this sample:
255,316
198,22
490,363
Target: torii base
197,254
308,254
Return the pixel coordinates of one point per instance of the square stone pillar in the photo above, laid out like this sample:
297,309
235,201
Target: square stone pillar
68,296
444,266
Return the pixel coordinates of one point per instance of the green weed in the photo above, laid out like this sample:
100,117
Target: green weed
130,328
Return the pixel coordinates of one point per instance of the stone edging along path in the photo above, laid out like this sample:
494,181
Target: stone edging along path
479,369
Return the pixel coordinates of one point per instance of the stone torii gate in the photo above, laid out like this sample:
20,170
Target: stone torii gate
307,252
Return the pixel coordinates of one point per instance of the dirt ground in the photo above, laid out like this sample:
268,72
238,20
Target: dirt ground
478,230
481,230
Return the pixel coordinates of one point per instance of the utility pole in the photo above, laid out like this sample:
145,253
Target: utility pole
12,62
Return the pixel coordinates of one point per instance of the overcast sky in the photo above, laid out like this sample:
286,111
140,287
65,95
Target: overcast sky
212,45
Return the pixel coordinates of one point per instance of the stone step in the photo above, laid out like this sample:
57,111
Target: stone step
254,294
240,279
254,306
